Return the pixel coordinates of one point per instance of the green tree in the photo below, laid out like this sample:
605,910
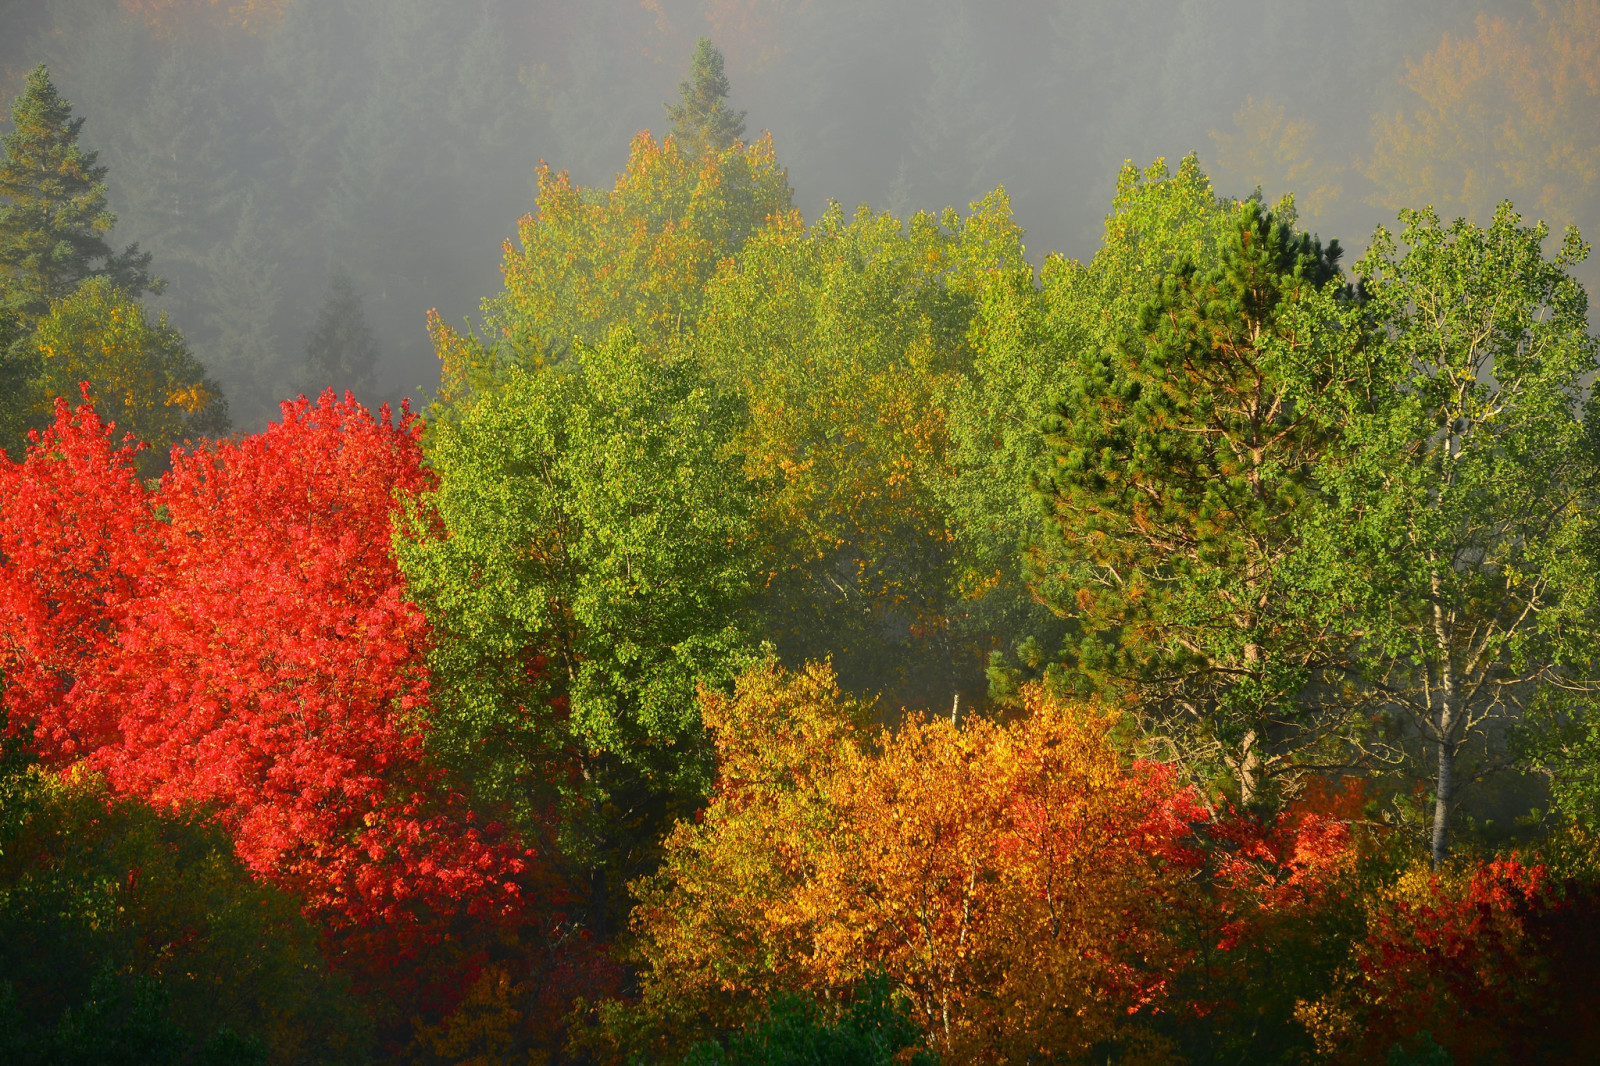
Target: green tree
875,1029
583,560
1183,462
54,218
1030,341
131,936
842,341
140,373
341,351
702,121
1456,543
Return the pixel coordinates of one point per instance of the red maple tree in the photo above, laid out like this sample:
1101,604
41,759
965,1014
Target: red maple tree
239,637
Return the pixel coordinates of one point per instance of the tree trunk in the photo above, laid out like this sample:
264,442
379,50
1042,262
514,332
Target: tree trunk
1449,713
1441,803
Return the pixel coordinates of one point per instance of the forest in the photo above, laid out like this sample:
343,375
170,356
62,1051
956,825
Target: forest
779,636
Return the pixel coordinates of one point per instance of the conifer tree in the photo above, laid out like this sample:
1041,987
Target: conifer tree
53,218
1181,478
342,350
701,120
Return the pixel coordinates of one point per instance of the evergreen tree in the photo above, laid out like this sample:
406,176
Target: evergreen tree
1181,477
53,225
701,120
342,351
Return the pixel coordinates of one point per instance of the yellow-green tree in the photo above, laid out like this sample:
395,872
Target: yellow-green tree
844,340
638,255
140,374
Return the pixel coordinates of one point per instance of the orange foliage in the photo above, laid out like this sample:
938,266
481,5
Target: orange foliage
1510,111
1017,882
1021,884
165,16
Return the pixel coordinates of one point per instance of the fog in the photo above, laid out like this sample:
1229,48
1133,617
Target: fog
258,147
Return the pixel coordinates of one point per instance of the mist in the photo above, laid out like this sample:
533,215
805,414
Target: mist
262,150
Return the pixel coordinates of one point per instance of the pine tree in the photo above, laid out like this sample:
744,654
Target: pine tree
342,350
54,219
701,120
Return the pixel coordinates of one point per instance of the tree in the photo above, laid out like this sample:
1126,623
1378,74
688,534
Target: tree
874,1030
1454,546
1031,341
1506,111
140,374
1022,885
240,639
1183,462
637,256
702,121
704,944
54,221
103,899
583,559
842,342
341,350
1451,954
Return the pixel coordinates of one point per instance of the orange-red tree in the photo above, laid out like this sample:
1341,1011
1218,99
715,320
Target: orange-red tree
240,639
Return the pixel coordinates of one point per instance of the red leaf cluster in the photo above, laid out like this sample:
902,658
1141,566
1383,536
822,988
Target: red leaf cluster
239,637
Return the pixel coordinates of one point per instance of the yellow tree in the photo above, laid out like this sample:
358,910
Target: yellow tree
638,255
1015,883
708,942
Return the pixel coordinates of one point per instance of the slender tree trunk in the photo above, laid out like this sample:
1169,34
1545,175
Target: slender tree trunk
1442,798
1449,712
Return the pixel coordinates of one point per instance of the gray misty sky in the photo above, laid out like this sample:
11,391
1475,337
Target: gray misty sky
259,146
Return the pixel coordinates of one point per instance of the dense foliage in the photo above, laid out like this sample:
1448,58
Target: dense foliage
808,643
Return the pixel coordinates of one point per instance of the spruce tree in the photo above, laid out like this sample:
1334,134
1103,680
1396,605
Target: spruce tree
53,214
701,120
342,350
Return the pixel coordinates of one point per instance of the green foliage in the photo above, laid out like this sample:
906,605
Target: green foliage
842,341
874,1030
54,218
583,561
702,121
1457,538
1029,343
127,936
1182,460
342,351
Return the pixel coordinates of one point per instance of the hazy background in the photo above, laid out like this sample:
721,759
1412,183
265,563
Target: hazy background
256,146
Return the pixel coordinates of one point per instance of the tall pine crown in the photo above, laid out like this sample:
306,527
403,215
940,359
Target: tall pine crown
53,214
701,120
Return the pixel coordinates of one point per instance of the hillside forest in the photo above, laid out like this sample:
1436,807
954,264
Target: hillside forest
843,639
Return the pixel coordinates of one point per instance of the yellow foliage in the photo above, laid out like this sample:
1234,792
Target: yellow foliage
140,374
1270,150
1007,878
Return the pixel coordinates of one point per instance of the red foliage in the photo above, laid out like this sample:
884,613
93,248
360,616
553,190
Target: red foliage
240,638
1447,951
